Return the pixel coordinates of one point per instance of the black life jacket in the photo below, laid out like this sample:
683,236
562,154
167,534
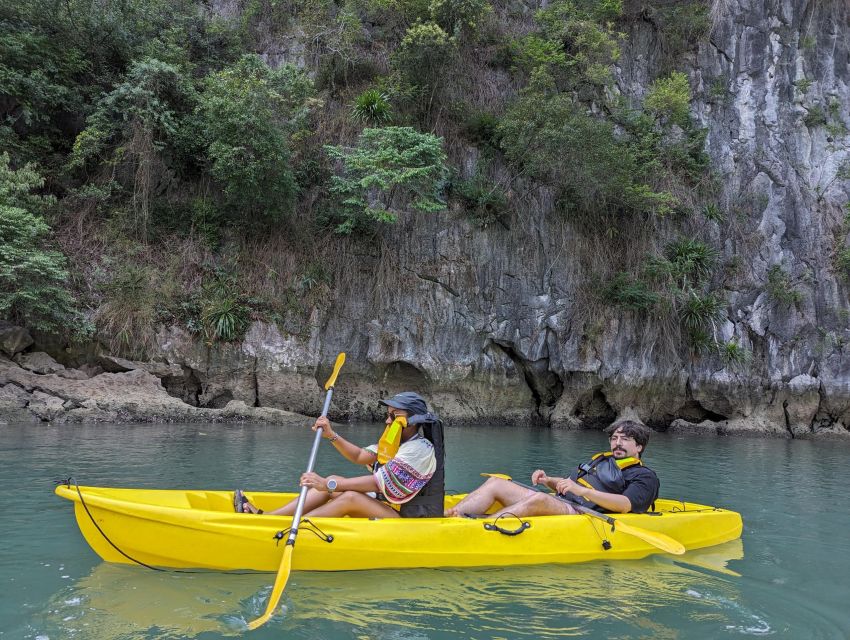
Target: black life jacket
428,503
602,472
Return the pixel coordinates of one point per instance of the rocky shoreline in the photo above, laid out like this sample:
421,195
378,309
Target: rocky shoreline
266,379
35,388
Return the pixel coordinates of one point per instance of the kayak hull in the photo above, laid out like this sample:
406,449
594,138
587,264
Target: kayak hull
198,529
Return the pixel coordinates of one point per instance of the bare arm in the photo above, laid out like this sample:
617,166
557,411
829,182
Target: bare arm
348,450
540,477
614,502
361,484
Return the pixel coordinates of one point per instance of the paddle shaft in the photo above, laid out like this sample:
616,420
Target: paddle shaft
302,497
285,568
575,505
656,539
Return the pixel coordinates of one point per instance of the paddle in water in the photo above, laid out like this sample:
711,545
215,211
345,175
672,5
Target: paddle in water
286,561
658,540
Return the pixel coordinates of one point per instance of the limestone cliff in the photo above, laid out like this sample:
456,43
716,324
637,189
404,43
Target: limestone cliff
493,324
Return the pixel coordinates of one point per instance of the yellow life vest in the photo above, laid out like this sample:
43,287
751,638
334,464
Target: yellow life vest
390,440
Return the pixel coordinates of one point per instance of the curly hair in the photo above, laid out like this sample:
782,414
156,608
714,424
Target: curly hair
632,429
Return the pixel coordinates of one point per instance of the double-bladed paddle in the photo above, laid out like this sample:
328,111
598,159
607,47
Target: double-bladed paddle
658,540
286,561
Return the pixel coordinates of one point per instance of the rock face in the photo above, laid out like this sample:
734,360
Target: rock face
490,324
129,396
13,339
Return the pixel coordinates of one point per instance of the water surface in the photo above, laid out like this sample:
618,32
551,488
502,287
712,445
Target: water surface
793,561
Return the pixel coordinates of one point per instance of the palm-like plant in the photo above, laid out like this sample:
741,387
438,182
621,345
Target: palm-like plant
372,107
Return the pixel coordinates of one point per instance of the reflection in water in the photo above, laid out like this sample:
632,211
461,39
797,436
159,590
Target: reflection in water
793,581
514,602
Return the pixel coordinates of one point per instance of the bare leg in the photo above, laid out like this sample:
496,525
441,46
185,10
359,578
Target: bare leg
356,505
315,498
537,504
494,490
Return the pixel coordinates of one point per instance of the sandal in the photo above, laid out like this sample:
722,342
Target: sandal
239,502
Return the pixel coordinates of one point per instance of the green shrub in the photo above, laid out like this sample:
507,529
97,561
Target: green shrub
629,293
713,212
391,169
482,128
803,84
732,353
780,288
152,96
33,278
699,312
691,260
460,17
682,25
423,54
224,314
584,33
815,117
842,262
553,140
372,107
131,137
669,98
702,341
485,202
249,113
535,53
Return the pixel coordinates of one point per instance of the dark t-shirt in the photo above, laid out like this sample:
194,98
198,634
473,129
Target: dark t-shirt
641,487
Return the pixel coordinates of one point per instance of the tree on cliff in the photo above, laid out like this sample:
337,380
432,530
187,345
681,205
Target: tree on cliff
33,278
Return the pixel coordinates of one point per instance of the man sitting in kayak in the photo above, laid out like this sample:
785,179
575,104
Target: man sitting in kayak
402,465
615,482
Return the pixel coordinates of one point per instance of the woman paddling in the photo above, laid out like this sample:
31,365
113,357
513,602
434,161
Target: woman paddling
406,470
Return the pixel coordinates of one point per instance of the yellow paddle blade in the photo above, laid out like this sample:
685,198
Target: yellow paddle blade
497,475
340,360
658,540
277,590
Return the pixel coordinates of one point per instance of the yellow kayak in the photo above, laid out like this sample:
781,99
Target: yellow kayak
198,529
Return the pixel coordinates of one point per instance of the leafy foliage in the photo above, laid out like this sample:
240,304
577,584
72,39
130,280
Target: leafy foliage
390,170
678,280
372,107
249,111
224,314
576,46
553,140
133,130
177,137
459,17
699,312
629,293
734,354
154,95
780,288
687,262
33,278
484,201
423,53
669,98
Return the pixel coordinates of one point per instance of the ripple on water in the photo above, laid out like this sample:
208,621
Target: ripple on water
793,580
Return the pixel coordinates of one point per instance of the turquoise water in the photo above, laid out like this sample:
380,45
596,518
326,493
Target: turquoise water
794,560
